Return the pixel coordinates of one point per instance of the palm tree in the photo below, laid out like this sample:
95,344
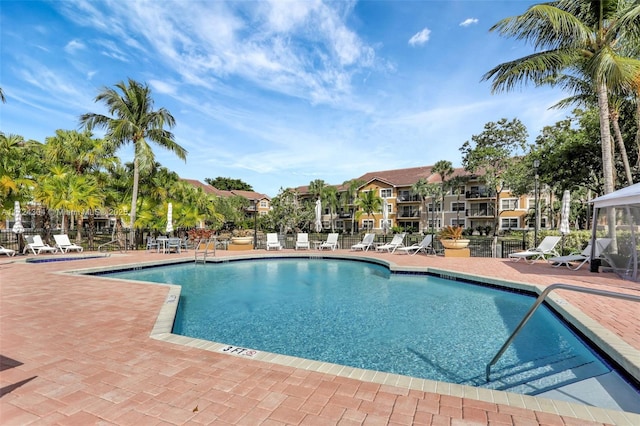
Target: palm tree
351,189
600,37
330,195
421,189
368,202
444,168
2,98
134,120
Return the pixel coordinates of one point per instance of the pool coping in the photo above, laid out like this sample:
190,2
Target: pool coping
613,345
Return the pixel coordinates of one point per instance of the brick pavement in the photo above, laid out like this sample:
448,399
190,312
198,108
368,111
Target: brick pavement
77,350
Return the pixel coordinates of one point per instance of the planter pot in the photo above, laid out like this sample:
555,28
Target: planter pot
454,244
241,241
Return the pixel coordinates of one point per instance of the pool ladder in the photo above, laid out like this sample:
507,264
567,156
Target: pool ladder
539,301
203,247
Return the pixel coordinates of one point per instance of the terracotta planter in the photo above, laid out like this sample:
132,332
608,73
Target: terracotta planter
454,244
242,241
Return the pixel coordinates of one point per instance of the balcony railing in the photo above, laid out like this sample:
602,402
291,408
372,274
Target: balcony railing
408,199
408,214
480,194
481,212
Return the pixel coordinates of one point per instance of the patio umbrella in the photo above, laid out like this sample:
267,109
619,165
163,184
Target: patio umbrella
17,226
318,222
385,216
564,218
169,219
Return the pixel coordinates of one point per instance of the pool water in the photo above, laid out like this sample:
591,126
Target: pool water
361,315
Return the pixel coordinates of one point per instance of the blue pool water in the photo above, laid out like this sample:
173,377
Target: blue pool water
359,314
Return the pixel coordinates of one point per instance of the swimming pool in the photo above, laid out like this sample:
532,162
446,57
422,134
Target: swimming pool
359,314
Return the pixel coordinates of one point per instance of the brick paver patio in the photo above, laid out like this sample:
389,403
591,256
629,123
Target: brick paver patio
76,350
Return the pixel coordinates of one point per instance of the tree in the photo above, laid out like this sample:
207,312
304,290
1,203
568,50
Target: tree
424,190
600,37
287,213
134,120
368,202
349,195
444,168
2,98
330,196
493,152
228,184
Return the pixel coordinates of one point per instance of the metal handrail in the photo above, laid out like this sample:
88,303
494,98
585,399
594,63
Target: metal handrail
207,241
539,301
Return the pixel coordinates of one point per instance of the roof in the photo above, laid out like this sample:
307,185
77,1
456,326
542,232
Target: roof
407,177
621,197
250,195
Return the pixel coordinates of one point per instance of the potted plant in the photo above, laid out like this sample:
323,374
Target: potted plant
451,237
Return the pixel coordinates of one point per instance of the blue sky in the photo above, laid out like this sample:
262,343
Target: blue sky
276,93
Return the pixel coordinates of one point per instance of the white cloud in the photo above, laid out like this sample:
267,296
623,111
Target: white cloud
162,87
468,21
73,46
420,37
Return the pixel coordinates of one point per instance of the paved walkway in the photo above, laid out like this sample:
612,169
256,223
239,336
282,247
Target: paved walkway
76,350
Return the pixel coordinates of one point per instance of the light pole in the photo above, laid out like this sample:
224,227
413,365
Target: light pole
536,164
255,224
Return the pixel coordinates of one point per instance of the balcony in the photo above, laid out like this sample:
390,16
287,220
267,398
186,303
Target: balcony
408,199
480,194
480,212
408,214
345,216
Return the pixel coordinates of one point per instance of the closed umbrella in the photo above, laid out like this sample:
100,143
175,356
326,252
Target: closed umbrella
17,225
385,216
318,222
169,219
564,217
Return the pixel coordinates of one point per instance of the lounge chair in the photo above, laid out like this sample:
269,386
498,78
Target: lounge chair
331,243
365,244
424,245
302,241
580,257
272,242
7,251
152,244
396,242
37,246
63,243
546,248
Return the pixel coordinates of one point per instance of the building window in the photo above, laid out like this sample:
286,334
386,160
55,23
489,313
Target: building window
457,207
386,192
367,224
532,203
263,204
458,222
431,207
509,222
531,223
389,223
509,204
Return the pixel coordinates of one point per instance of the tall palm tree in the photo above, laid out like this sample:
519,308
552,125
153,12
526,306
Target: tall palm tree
368,202
596,36
330,195
444,168
421,189
351,189
134,120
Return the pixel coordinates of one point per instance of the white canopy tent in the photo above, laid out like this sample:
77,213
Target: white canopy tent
618,215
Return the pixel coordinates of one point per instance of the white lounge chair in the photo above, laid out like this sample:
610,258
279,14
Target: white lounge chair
7,251
365,244
581,257
272,242
424,245
64,244
37,246
396,242
331,243
302,241
546,248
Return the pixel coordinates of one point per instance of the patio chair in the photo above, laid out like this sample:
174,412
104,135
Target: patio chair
424,245
365,244
302,241
331,243
7,251
546,248
173,244
64,244
272,242
152,244
37,246
396,242
581,257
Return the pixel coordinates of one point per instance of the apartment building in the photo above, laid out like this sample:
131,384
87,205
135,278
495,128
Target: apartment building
259,201
472,205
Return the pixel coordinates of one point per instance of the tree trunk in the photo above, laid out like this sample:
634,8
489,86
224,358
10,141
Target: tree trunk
638,128
134,200
605,138
623,151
